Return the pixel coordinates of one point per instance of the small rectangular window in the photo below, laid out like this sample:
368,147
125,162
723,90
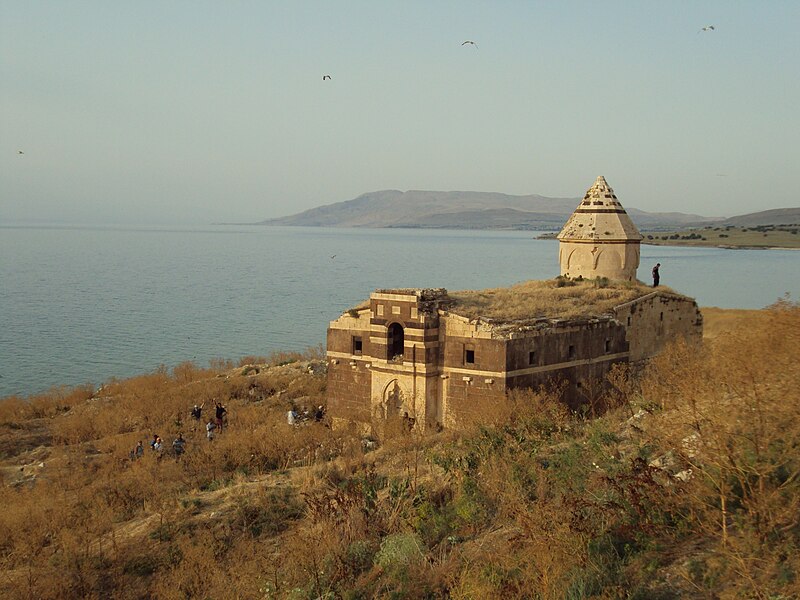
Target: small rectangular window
357,344
608,346
571,352
531,357
469,357
629,321
661,317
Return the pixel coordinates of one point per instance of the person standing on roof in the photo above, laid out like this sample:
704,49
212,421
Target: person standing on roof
656,276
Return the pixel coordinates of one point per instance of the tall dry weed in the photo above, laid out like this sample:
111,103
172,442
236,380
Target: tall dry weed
731,419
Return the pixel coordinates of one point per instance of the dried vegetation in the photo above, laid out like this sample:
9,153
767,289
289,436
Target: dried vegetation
687,486
555,298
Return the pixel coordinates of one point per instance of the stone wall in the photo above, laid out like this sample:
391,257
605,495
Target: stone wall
614,260
450,370
575,355
396,371
473,366
656,319
349,379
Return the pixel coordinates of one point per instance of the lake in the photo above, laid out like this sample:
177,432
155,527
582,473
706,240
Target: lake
84,304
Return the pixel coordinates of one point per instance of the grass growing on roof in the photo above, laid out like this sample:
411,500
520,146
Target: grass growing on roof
552,298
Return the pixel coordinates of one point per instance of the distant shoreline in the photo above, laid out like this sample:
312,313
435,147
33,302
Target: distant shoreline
723,246
785,238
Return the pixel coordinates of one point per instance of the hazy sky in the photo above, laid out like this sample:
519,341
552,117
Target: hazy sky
197,112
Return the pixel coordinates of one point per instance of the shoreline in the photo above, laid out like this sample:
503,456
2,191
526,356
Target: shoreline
724,246
691,244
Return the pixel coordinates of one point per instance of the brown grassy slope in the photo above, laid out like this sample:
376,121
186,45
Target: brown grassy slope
553,298
718,321
688,489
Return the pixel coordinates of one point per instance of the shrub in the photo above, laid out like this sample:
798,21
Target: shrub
399,550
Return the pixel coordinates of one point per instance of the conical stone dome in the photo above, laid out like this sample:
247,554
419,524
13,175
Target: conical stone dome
599,239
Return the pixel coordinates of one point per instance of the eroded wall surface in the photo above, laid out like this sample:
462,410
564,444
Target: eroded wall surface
654,320
614,260
573,358
473,369
448,370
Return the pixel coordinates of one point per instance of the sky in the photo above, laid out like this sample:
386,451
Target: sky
193,112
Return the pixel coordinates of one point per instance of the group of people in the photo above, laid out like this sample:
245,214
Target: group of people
157,447
179,444
216,424
305,415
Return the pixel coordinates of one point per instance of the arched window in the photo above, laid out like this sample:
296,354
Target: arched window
394,342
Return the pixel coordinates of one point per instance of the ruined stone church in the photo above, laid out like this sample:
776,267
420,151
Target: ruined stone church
438,356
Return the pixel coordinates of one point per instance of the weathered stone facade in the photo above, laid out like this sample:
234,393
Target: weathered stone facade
599,239
409,351
416,352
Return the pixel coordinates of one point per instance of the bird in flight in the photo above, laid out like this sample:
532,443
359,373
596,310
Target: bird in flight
20,152
324,77
332,257
707,28
469,42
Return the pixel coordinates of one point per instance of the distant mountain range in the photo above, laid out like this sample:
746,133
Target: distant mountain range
490,210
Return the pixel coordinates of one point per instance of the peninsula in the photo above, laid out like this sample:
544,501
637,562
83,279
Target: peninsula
421,209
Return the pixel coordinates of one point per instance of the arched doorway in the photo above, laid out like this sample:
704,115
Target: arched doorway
393,399
394,342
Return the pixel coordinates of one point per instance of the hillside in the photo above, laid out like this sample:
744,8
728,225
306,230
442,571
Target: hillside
777,216
686,487
462,210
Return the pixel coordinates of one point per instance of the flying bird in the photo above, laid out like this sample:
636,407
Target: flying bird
20,152
324,77
707,28
469,42
332,257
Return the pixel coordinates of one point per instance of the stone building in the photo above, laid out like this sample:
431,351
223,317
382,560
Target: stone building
599,239
443,357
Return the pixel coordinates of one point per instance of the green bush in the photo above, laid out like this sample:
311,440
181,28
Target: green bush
399,550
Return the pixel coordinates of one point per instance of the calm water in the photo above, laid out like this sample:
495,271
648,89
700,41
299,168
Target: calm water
84,304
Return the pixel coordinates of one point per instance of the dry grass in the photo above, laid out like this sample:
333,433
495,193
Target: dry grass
718,321
554,298
530,500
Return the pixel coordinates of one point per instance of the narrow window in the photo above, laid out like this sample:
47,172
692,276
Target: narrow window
531,357
608,346
661,316
357,344
469,357
629,321
571,352
395,342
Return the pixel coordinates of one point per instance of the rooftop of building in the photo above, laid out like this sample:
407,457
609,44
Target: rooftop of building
531,302
550,299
